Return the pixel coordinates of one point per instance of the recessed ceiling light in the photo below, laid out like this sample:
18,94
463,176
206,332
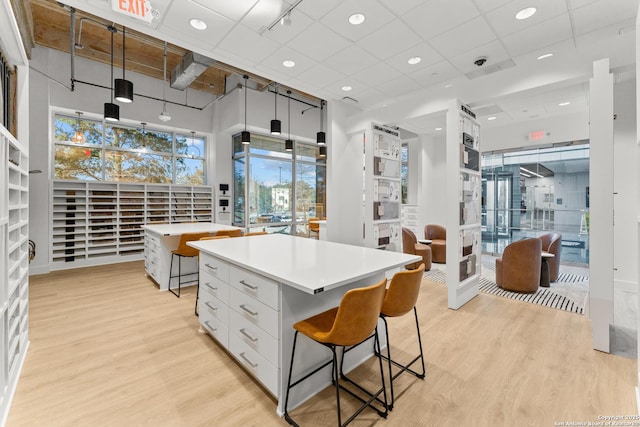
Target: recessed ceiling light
438,129
198,24
357,19
448,85
346,88
546,55
414,60
525,13
564,104
289,63
491,118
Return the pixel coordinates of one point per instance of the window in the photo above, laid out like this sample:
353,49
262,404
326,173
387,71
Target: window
121,153
404,171
274,190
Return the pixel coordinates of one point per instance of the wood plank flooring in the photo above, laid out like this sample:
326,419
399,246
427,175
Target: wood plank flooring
108,349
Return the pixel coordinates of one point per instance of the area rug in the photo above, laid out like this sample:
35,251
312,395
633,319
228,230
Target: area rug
548,297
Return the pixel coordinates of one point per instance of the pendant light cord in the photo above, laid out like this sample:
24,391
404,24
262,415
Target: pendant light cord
124,40
275,101
289,115
164,79
245,101
113,30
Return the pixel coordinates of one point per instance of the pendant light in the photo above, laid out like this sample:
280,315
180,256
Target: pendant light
164,116
321,137
111,110
245,136
124,88
323,151
276,125
144,138
78,136
288,144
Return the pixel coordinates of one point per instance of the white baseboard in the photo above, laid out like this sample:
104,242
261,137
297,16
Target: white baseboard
625,286
43,269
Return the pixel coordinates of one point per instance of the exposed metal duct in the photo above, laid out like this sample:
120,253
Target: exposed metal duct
192,65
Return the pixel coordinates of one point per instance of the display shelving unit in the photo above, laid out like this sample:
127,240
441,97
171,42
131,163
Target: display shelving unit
14,265
463,205
100,223
383,189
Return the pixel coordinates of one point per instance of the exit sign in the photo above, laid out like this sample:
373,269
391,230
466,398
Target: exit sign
538,135
138,9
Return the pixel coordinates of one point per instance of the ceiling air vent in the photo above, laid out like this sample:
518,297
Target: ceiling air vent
192,65
490,69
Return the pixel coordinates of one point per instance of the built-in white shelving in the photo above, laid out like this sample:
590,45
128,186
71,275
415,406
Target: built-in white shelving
100,223
14,265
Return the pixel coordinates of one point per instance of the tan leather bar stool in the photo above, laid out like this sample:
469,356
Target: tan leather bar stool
255,233
349,324
184,251
229,233
400,299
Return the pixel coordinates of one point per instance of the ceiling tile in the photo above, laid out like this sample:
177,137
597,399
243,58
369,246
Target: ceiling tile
398,87
504,22
400,7
488,5
317,9
493,51
320,76
437,16
338,19
245,43
600,13
426,53
435,74
384,42
534,38
284,33
234,10
463,38
307,42
377,74
371,97
357,88
574,4
351,60
176,23
263,14
275,60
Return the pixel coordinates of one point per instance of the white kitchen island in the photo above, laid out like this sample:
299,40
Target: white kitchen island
252,290
161,239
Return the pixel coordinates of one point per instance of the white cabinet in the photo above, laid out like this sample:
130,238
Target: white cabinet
14,265
100,223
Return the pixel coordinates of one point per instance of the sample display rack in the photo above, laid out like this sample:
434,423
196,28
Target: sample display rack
100,223
14,265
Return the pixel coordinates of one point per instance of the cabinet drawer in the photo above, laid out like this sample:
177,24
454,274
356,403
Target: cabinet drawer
214,286
213,306
257,365
254,337
256,286
254,311
214,327
215,267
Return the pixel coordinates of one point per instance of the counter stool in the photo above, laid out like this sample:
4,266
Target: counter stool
349,324
400,298
228,233
198,288
184,251
255,233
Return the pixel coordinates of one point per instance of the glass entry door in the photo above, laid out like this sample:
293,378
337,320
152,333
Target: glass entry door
496,209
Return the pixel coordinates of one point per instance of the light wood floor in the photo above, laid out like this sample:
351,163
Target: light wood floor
109,349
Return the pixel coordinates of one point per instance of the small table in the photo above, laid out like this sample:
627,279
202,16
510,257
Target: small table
425,241
544,269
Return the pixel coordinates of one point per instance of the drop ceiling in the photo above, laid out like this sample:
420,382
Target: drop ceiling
371,58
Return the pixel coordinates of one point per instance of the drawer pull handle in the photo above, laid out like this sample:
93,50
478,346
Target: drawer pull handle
251,312
211,267
211,328
248,335
246,359
208,285
249,285
210,306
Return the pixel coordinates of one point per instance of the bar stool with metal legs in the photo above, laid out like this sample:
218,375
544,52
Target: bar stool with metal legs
198,289
400,299
349,324
184,251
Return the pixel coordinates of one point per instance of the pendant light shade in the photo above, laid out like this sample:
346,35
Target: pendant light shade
245,136
276,125
323,151
111,110
321,137
288,144
124,88
78,136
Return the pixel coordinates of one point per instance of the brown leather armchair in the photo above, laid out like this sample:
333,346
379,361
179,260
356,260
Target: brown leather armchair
519,268
552,243
411,246
438,236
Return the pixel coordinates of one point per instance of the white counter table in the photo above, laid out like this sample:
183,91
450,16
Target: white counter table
252,290
161,239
